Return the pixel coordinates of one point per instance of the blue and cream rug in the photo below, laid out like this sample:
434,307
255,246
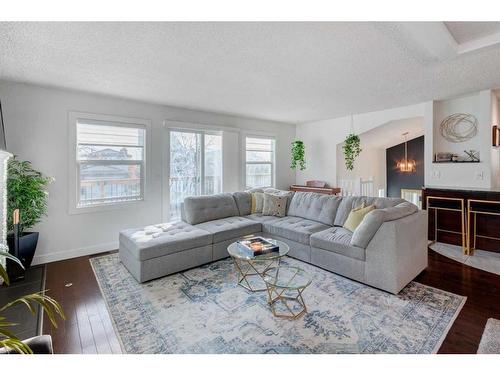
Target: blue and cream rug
203,311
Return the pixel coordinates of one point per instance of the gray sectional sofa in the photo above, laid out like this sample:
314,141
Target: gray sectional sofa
387,250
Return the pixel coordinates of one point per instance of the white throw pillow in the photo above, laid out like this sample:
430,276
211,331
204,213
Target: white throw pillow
274,205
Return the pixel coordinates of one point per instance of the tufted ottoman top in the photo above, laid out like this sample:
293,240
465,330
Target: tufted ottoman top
163,239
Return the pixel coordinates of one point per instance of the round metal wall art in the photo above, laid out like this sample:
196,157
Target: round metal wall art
458,127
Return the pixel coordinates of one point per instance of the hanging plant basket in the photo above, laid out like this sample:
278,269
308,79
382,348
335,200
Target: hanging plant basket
352,149
298,155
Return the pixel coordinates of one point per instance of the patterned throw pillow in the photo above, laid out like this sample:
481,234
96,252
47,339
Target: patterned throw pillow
274,205
257,203
356,216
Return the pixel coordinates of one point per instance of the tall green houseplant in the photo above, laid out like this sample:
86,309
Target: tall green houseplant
26,191
352,149
298,155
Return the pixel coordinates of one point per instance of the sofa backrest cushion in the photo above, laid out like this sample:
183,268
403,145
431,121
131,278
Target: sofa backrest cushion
313,206
364,233
209,207
243,202
349,203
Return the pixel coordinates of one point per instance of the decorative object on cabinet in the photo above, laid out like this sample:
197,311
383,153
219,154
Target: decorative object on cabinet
406,165
473,156
316,184
458,127
443,157
298,155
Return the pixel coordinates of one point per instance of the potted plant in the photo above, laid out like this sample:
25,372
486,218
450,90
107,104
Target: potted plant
352,149
26,192
9,343
298,155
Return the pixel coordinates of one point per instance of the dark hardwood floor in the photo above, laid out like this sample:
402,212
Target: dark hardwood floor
88,327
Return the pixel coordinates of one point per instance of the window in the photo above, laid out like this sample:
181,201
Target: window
259,159
195,166
110,162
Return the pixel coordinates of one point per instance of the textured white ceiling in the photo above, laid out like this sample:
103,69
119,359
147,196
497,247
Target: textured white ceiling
293,72
464,32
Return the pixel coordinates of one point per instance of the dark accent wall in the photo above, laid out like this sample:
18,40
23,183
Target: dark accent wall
397,180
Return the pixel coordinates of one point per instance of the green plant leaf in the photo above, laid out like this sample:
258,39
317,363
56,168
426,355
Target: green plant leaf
50,306
16,345
352,149
298,155
3,271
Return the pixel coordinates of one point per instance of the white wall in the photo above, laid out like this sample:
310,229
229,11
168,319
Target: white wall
36,122
321,139
473,175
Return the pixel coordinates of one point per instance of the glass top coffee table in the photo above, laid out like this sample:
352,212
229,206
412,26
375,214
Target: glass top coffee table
285,285
251,269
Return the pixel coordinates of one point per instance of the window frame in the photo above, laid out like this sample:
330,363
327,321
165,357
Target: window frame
272,162
74,164
202,132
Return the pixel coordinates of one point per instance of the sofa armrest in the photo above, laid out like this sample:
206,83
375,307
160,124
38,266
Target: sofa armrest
38,344
397,253
373,220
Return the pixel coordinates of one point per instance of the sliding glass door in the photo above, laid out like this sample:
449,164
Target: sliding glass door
195,166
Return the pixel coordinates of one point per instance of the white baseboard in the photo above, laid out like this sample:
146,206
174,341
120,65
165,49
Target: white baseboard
74,253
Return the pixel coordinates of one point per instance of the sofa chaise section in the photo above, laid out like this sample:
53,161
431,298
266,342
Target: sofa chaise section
162,249
387,250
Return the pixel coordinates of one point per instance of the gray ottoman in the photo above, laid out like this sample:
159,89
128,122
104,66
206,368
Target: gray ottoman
162,249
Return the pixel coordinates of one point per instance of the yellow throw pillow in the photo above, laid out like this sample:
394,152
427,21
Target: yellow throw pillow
356,216
257,203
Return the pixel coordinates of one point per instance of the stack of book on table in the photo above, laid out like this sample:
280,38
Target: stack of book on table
254,246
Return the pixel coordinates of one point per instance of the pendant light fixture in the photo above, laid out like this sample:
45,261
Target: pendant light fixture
406,165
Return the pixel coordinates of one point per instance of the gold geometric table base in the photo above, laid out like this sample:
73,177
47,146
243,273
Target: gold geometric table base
249,269
282,297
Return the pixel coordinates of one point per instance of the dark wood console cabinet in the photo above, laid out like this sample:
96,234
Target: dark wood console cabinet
486,221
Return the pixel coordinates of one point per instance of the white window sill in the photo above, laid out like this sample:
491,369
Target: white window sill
105,207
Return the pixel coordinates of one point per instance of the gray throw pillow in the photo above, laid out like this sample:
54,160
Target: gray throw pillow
274,205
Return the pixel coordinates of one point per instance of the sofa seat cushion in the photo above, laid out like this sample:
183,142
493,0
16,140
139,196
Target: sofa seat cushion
230,227
293,228
337,240
158,240
261,218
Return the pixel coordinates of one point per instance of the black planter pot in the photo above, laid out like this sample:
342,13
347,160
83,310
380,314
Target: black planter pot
25,253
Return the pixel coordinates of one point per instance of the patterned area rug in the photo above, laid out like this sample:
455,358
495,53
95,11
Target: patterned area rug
203,311
490,341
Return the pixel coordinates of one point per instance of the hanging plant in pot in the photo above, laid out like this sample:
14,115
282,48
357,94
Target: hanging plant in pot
298,155
352,149
26,204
